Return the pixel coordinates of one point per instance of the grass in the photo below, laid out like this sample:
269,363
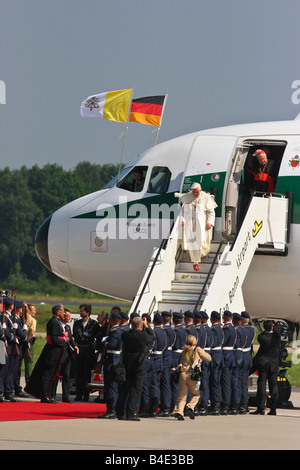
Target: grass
44,313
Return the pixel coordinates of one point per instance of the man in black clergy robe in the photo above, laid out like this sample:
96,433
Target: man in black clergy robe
44,377
134,352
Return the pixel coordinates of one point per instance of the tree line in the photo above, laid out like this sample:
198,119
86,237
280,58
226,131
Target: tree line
27,197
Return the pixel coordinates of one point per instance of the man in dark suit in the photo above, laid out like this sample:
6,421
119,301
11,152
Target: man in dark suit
70,354
134,352
267,363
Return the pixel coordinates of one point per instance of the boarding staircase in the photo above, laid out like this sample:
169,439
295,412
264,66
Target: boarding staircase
171,284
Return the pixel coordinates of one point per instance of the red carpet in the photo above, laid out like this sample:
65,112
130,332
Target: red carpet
26,411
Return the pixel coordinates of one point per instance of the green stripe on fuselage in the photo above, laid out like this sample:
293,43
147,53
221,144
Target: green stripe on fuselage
284,184
152,205
292,184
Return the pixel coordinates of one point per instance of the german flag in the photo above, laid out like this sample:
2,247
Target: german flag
147,110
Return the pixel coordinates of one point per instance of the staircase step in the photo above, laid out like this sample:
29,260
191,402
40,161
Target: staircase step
190,277
183,305
205,259
203,267
184,285
180,295
213,250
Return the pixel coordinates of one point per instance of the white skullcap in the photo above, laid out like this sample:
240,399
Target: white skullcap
196,185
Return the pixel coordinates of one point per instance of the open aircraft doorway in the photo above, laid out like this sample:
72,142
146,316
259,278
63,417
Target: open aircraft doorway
239,183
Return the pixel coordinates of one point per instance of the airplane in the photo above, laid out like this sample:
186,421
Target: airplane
103,241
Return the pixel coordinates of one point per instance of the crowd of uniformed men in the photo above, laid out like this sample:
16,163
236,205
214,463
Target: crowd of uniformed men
98,345
224,384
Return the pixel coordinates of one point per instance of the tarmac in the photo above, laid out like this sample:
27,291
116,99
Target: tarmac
153,437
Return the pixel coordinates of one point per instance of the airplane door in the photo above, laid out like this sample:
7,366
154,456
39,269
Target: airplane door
232,191
237,192
208,164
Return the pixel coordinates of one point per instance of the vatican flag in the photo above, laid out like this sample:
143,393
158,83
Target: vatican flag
112,105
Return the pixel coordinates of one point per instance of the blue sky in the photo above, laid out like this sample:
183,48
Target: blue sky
221,63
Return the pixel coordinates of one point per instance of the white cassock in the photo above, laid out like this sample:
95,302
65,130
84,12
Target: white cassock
196,212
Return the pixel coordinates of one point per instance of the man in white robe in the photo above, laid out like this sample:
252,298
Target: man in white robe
197,220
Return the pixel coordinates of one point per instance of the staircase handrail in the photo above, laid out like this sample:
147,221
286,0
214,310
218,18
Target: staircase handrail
162,245
209,274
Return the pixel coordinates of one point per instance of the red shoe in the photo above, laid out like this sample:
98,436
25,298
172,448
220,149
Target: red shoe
196,267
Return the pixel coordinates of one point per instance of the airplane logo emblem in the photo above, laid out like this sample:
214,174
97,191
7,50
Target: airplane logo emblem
294,162
257,227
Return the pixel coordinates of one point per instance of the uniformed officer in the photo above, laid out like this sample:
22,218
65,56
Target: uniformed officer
145,395
216,363
124,322
205,367
3,345
199,329
111,349
228,360
189,323
165,382
14,335
237,364
156,357
247,361
180,340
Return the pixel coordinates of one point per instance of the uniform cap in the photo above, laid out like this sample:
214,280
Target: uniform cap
177,315
146,315
158,318
115,315
227,313
166,314
215,314
189,314
237,316
124,315
245,315
198,314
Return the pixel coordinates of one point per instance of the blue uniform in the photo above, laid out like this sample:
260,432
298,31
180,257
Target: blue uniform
247,363
191,330
205,367
180,340
228,363
216,366
237,366
9,371
2,361
200,336
165,382
156,366
113,347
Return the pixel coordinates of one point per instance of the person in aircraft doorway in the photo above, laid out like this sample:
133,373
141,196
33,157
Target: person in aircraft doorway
262,172
197,220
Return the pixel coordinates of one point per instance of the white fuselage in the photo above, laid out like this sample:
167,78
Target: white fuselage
103,241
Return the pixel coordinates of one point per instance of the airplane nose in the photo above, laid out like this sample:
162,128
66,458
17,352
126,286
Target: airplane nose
41,243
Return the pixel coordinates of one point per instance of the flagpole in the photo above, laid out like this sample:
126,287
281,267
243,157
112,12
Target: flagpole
158,129
125,136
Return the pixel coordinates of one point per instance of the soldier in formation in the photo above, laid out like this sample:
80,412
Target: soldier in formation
98,345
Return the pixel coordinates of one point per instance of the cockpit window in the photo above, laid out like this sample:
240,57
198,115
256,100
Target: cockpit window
159,180
114,180
135,180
